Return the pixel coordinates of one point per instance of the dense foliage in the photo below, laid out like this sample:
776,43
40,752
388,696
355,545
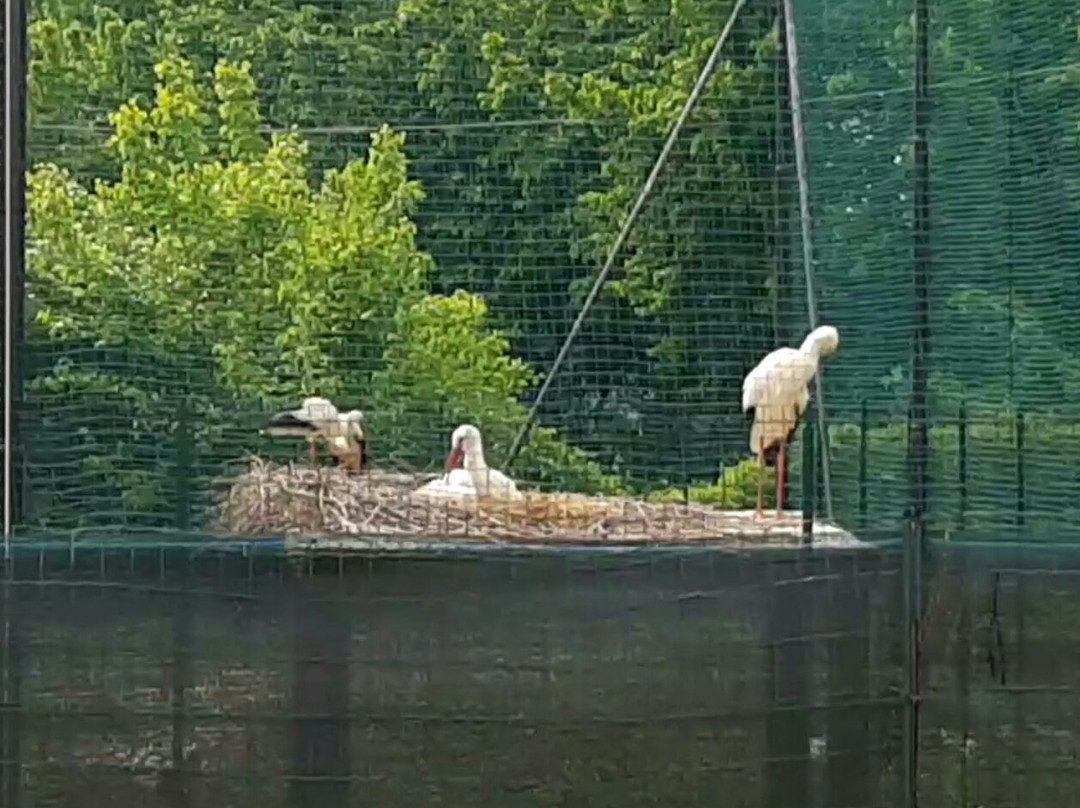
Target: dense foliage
1004,165
402,203
212,277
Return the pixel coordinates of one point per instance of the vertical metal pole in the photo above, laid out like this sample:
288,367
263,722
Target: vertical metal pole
962,469
184,465
918,438
864,428
806,226
809,483
14,234
1021,486
918,432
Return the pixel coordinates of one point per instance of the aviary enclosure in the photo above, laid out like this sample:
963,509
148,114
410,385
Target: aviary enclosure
576,224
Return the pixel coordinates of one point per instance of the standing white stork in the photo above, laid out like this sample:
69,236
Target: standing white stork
317,419
467,472
776,394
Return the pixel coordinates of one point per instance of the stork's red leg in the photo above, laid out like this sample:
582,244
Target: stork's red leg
781,477
761,481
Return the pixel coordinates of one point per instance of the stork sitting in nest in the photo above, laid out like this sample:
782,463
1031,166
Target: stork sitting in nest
467,473
344,433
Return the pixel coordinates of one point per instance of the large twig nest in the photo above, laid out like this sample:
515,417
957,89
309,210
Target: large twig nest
270,499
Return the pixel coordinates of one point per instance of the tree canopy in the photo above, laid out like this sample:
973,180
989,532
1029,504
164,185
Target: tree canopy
404,202
213,274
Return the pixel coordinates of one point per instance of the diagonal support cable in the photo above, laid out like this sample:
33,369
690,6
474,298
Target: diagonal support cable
635,211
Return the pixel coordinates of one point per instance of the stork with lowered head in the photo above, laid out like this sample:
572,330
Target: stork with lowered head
776,394
315,420
467,472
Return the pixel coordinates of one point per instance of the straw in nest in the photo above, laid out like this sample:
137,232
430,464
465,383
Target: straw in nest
294,500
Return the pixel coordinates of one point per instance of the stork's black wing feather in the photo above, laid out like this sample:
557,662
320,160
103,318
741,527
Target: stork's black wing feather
749,417
286,420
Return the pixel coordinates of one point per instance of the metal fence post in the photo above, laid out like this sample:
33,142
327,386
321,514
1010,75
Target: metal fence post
919,437
1021,487
961,466
183,465
864,430
809,482
15,71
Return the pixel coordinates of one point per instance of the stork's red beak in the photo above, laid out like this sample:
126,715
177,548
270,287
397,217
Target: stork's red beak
455,458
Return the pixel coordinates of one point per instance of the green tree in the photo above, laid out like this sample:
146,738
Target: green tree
444,362
1002,170
540,140
655,369
212,280
284,284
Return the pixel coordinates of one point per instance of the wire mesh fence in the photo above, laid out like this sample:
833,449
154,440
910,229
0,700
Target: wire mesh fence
402,207
998,684
172,677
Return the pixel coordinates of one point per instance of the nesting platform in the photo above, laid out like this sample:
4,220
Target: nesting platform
328,509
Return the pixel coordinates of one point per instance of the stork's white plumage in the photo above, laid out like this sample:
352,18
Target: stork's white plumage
316,419
454,484
467,472
776,393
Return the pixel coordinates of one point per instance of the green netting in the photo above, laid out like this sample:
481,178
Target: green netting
259,236
1006,172
857,82
1003,188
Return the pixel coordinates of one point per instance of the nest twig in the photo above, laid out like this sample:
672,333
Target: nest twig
270,499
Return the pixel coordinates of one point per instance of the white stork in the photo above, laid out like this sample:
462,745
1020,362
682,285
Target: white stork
467,473
776,393
317,419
